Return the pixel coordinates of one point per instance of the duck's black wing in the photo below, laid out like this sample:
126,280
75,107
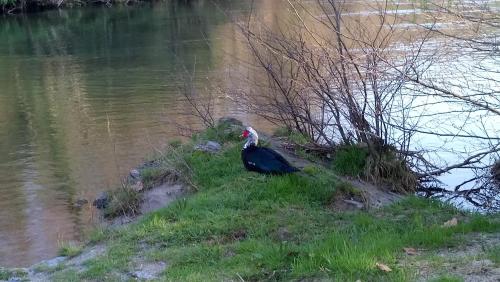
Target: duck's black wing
265,160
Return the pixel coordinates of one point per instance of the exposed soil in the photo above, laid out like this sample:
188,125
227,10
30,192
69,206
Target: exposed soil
153,199
468,261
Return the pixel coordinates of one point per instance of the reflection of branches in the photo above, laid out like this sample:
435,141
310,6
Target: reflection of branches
203,109
474,159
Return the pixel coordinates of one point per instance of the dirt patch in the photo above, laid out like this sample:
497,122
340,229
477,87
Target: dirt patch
160,196
346,203
374,196
468,261
153,199
145,270
87,254
348,198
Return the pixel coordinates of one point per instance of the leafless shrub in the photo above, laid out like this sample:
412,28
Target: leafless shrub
332,79
340,79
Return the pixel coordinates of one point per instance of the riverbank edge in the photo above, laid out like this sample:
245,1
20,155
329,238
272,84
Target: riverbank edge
16,7
153,269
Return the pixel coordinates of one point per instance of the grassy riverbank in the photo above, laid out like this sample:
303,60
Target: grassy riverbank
242,226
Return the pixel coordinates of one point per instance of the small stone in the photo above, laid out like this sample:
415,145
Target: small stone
15,279
135,174
101,201
354,203
209,147
230,120
214,146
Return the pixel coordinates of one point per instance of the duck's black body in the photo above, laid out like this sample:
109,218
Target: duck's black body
265,160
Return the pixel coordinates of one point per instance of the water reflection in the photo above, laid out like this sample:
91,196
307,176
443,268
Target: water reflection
85,95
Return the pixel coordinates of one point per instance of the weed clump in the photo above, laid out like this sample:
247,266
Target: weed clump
151,176
350,160
6,274
68,249
123,201
347,197
389,169
383,167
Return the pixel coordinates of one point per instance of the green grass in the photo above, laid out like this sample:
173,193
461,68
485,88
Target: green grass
123,201
350,160
150,176
447,278
5,274
243,225
494,254
69,249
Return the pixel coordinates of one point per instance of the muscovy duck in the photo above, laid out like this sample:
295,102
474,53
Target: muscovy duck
261,159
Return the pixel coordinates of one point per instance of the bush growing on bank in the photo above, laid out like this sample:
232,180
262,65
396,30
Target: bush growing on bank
123,201
350,160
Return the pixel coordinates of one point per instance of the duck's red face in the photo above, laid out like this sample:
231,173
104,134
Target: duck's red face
245,133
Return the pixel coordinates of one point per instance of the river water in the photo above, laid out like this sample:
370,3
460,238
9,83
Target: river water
86,94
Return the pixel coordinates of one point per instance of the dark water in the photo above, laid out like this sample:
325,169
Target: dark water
85,95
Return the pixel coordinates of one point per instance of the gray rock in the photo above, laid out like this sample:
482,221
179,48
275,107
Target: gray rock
16,279
354,203
209,147
102,201
135,174
51,263
230,121
212,145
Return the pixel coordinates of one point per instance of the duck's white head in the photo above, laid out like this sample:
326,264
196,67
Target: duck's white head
251,135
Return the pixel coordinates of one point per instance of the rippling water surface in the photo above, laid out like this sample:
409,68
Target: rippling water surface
85,95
